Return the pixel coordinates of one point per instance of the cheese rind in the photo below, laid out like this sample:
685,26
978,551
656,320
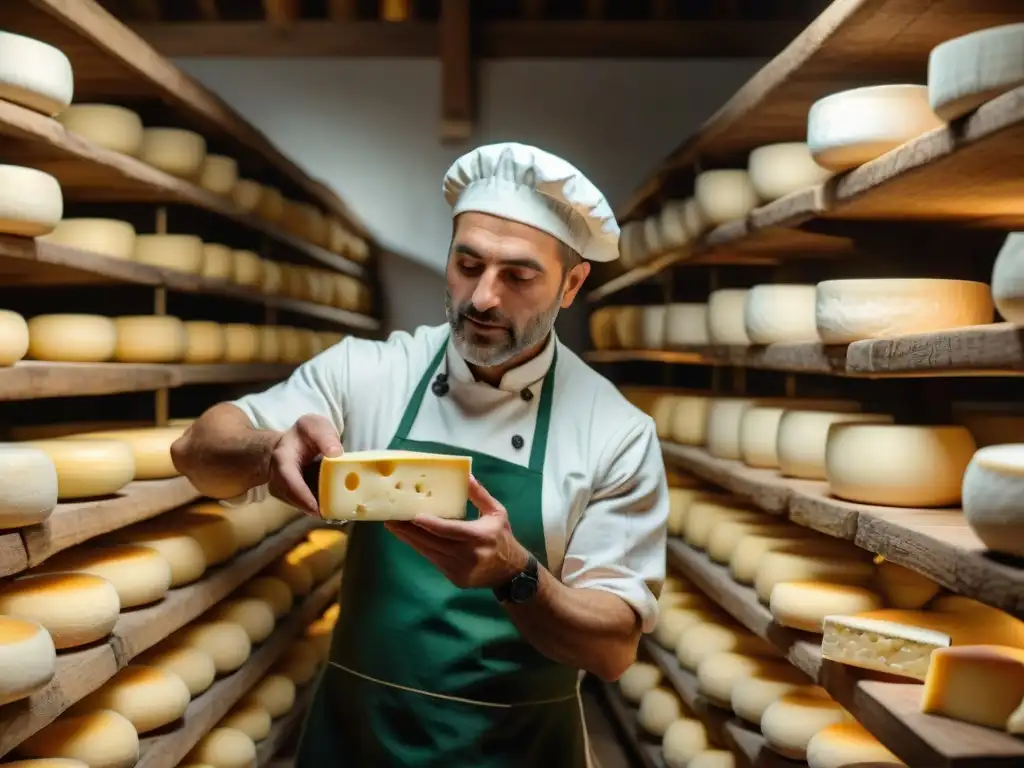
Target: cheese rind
71,338
253,615
686,324
653,327
659,708
752,695
847,744
151,448
805,604
393,485
100,739
251,719
194,666
1008,279
799,565
139,574
88,468
904,588
204,342
724,195
776,170
177,151
75,608
34,74
725,414
777,313
684,740
718,674
148,697
275,693
184,253
703,640
219,174
109,126
639,678
726,317
789,723
276,593
967,71
224,748
182,552
883,646
993,486
803,436
980,684
28,486
706,512
226,643
13,337
28,659
150,339
31,202
108,237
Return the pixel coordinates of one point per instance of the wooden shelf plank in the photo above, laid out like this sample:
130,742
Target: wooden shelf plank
644,750
282,728
74,523
13,557
30,256
167,749
92,173
227,373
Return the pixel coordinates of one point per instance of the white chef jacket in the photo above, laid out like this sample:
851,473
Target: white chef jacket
605,495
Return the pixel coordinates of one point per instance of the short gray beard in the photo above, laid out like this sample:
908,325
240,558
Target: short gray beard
517,340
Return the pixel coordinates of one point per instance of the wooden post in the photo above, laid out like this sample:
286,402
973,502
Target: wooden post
457,102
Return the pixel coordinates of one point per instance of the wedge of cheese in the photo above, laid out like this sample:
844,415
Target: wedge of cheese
884,646
393,485
981,684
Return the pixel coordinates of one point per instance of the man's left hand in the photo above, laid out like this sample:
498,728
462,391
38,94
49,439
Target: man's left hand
475,553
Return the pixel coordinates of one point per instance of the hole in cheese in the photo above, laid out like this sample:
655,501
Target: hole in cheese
352,481
386,468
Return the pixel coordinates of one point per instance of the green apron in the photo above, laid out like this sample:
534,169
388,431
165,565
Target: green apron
426,675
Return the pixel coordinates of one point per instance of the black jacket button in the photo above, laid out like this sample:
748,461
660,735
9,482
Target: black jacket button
527,395
517,441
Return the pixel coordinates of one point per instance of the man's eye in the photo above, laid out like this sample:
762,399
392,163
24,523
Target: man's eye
520,277
470,269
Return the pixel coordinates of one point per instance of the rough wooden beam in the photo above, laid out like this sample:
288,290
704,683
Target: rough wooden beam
342,10
281,13
208,10
456,71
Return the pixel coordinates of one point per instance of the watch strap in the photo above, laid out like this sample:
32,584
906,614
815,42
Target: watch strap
530,571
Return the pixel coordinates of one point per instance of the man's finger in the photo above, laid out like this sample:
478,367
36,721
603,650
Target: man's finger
423,543
456,530
294,485
321,435
482,499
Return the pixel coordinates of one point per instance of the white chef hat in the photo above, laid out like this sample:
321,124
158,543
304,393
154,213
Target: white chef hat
533,187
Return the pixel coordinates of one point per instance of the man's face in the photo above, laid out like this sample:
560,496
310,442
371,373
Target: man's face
506,283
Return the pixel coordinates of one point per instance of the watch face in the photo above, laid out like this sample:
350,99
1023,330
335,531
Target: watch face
523,588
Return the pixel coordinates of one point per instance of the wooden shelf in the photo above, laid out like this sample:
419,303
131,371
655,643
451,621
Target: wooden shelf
91,173
282,728
891,711
935,542
169,748
32,379
27,261
644,749
980,350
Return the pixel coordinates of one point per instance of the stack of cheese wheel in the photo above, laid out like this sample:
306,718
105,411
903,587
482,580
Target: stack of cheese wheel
88,468
109,126
31,202
321,631
107,237
177,151
148,697
30,486
34,74
777,170
76,609
72,338
150,446
140,575
836,562
150,339
184,253
724,195
802,437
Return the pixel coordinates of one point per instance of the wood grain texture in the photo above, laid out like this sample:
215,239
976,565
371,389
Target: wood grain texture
13,557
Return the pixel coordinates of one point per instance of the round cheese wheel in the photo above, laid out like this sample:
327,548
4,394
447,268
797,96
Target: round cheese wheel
275,592
684,740
13,337
759,427
105,125
88,468
310,344
100,739
174,150
31,203
318,560
780,313
333,544
224,748
726,535
214,533
107,237
992,488
852,310
746,558
652,327
346,292
291,344
718,673
1008,279
726,317
253,615
686,324
679,502
904,588
789,723
139,574
693,218
275,693
182,552
247,268
753,694
724,195
776,170
672,230
226,643
75,608
321,633
72,338
797,564
55,762
705,513
271,204
183,253
702,641
218,261
805,604
847,744
269,344
251,719
299,663
711,758
34,74
967,71
661,411
803,435
659,708
276,513
689,419
725,414
853,127
219,174
673,622
150,339
338,237
205,342
296,575
272,278
194,666
628,327
28,660
897,466
151,448
29,489
246,194
148,697
248,526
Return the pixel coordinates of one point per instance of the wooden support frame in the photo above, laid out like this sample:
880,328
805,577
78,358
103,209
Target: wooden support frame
457,86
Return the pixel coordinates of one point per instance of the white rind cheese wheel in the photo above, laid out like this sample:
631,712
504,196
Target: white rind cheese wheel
251,719
639,678
151,448
1008,279
803,437
194,666
805,604
672,226
75,608
28,660
150,339
693,218
790,723
107,237
140,575
219,174
255,616
904,588
241,342
183,253
148,697
798,564
218,261
702,641
13,337
897,465
776,170
224,748
759,429
673,622
853,310
780,314
247,194
34,74
847,744
72,338
226,643
174,150
247,268
214,533
746,557
659,708
705,513
88,468
686,324
105,125
205,343
726,535
993,486
276,593
684,740
101,739
983,685
299,663
752,695
28,488
31,202
275,693
710,758
726,317
653,327
718,673
724,195
967,71
182,552
725,414
850,128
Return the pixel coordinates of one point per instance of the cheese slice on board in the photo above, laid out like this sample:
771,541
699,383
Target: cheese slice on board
884,646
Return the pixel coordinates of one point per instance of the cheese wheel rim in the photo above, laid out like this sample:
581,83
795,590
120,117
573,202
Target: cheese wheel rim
109,126
72,338
112,238
968,71
34,74
28,658
31,201
89,468
76,609
30,494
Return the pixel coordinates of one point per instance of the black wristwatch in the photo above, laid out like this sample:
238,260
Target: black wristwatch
523,586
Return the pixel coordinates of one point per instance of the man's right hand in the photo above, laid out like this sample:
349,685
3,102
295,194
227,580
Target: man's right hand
309,437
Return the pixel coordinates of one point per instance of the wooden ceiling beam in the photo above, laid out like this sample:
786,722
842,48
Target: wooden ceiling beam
457,76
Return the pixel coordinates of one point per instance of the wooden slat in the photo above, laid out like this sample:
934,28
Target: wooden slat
935,542
457,97
74,523
227,373
13,557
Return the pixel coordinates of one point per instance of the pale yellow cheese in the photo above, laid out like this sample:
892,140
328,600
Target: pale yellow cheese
247,268
34,74
684,741
109,126
241,343
183,253
140,575
226,642
802,437
205,342
725,414
46,762
13,337
219,174
321,633
393,485
218,261
628,330
194,666
805,604
799,565
687,424
777,313
88,468
726,535
702,640
224,748
299,663
705,513
724,195
659,708
746,557
183,553
777,170
275,592
148,697
272,278
71,338
726,324
752,695
334,542
151,448
317,559
846,745
107,237
902,587
28,660
31,202
789,723
679,502
672,622
602,328
992,490
269,344
275,693
686,324
881,645
710,758
253,615
251,719
150,339
639,678
28,485
100,739
248,526
214,533
177,151
296,575
718,674
981,684
246,194
271,203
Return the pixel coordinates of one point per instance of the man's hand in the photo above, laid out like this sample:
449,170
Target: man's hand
309,437
477,553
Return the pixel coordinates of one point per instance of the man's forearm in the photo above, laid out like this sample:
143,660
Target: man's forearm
222,454
584,628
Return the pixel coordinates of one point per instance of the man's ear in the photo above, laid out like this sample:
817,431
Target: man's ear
573,282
